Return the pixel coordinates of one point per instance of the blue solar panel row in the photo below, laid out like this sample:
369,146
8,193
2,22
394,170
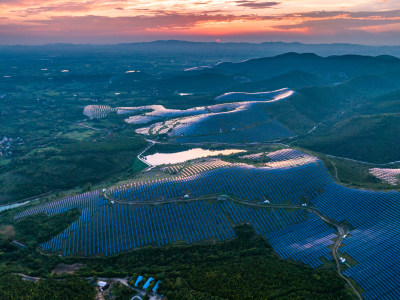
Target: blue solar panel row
262,133
88,202
116,228
375,243
286,154
245,182
112,229
241,125
303,239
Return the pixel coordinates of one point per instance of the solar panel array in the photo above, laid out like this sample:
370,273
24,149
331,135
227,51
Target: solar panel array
246,125
263,96
97,111
116,228
225,122
279,155
240,180
111,229
375,243
173,169
86,202
230,122
390,176
271,131
290,234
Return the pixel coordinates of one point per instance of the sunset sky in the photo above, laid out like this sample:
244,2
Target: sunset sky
102,21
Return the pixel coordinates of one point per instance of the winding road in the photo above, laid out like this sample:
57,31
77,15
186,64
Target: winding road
140,155
342,231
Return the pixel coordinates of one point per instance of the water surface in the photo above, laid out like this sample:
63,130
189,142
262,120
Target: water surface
5,207
179,157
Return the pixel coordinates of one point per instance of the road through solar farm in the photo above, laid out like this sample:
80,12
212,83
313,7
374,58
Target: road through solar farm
292,201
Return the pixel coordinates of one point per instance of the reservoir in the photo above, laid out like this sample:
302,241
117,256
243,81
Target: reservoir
179,157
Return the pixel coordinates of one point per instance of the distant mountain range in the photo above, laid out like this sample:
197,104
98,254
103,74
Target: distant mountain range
226,50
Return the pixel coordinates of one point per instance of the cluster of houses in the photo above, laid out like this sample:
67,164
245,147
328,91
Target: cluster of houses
8,145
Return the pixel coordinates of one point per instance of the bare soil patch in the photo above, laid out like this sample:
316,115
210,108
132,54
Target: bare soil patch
66,269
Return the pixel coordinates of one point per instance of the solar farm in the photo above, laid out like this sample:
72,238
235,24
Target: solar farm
245,120
201,201
97,111
390,176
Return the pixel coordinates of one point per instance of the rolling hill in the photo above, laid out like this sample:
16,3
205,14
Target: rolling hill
371,138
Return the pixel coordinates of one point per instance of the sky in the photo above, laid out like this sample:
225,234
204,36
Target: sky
375,22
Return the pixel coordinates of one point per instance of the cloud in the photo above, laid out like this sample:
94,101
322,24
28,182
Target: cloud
61,8
337,25
256,4
355,15
101,18
118,25
337,22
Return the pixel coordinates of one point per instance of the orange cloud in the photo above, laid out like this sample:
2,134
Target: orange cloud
143,18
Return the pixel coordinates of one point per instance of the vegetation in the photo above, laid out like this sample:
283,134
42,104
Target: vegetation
354,174
70,164
119,291
30,232
13,287
36,229
371,138
244,268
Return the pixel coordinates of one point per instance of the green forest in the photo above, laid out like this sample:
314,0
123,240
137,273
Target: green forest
13,287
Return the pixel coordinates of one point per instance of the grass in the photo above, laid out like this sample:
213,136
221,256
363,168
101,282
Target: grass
79,135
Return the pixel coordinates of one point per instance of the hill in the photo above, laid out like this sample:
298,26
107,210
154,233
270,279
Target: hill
371,138
332,68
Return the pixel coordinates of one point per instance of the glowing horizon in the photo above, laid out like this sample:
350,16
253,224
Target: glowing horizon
104,21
